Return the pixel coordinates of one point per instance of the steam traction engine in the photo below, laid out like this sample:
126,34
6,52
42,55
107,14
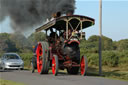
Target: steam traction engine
61,49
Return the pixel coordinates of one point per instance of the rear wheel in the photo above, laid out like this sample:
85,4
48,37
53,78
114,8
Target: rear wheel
83,65
47,61
42,58
21,68
55,65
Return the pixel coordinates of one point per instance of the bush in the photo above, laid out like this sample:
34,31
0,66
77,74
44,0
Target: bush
122,53
122,45
123,61
123,58
26,58
110,58
83,51
93,59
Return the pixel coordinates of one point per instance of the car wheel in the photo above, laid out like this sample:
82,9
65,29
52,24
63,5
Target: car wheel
3,68
21,68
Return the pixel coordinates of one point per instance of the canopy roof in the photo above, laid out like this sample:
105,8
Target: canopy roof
74,21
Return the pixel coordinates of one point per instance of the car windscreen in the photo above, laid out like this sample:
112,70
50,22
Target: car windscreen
12,56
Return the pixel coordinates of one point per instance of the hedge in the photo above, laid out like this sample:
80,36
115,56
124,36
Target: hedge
26,58
109,58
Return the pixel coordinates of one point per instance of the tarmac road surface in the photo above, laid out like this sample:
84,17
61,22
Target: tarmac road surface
29,78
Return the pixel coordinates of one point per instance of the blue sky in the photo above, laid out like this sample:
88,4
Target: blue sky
115,18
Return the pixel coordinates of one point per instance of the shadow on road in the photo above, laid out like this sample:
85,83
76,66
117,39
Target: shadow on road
6,70
12,70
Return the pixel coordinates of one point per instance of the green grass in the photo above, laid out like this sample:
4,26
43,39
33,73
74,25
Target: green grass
8,82
118,73
109,72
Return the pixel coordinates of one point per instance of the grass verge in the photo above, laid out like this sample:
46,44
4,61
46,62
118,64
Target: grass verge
109,72
8,82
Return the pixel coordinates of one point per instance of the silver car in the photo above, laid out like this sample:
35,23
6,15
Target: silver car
11,61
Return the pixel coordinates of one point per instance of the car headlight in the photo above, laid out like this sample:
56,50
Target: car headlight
6,63
22,63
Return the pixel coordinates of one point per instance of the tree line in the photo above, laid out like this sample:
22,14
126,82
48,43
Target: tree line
19,43
114,53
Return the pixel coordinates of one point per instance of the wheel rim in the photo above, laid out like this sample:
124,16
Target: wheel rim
39,53
53,65
82,66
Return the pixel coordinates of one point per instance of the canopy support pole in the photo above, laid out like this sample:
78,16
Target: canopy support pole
67,29
81,29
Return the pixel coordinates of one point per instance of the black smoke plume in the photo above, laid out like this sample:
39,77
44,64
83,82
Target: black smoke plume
26,14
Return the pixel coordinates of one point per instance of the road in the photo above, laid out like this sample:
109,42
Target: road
29,78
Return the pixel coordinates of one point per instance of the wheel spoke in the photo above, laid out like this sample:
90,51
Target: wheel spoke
40,62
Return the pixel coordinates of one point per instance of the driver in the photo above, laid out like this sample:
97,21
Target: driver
53,36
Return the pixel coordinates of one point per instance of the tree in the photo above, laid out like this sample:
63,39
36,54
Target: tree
4,40
122,45
107,43
92,44
21,42
36,37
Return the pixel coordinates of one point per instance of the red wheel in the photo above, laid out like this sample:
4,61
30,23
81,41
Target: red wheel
83,65
39,53
47,61
55,65
42,58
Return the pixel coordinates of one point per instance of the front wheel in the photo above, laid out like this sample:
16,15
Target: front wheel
42,58
3,67
83,65
55,65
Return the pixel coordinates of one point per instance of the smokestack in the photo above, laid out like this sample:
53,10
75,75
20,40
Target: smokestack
26,14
